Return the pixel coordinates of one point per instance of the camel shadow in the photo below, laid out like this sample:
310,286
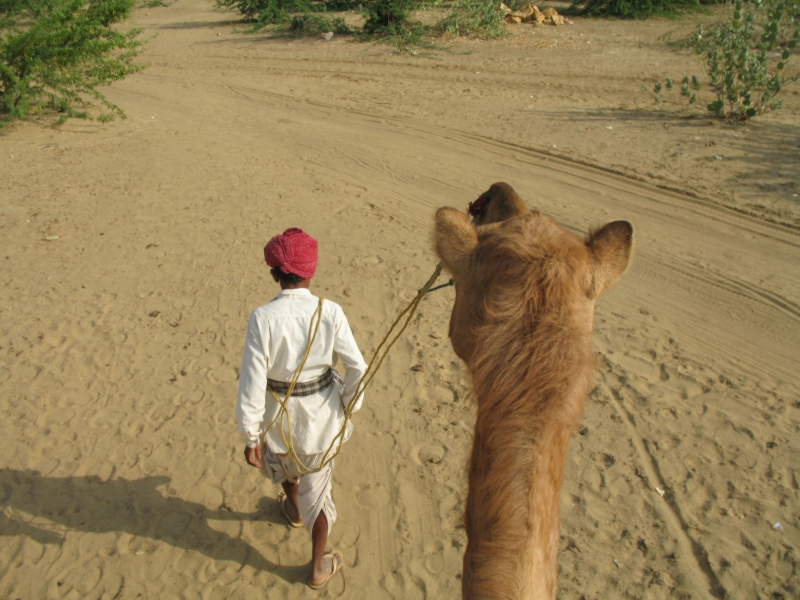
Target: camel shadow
133,506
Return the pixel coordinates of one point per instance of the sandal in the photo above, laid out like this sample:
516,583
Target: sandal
282,501
337,562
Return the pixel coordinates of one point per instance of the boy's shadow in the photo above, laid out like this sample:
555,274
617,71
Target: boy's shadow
133,506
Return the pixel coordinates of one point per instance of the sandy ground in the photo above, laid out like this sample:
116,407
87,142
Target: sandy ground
120,341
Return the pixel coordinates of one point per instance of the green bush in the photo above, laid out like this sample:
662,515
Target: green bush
478,18
745,58
269,12
635,9
250,9
54,54
388,17
387,20
315,24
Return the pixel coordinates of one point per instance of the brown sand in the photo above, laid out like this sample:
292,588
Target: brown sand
122,474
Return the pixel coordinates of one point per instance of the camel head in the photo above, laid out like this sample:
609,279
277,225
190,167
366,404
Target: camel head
498,203
522,322
511,263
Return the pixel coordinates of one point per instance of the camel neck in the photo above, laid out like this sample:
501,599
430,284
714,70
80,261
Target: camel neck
516,473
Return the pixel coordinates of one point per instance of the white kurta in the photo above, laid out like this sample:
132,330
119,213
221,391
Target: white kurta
276,339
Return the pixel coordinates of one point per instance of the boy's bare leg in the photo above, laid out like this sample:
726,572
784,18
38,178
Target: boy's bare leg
291,490
320,567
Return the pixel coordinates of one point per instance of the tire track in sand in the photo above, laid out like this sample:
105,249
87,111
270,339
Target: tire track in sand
700,568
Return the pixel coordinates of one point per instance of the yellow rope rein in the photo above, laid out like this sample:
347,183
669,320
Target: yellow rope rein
374,365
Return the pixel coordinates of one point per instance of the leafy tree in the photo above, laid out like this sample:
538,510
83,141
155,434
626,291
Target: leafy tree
54,54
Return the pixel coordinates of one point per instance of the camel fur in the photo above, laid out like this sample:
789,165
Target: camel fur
522,323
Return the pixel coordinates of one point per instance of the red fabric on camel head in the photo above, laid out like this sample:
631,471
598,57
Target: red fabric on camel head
294,252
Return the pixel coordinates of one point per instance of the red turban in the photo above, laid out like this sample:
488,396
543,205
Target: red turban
293,252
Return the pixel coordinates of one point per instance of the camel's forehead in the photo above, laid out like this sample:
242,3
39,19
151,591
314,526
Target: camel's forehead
547,228
532,232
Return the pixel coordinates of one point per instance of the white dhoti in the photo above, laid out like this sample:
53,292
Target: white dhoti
314,493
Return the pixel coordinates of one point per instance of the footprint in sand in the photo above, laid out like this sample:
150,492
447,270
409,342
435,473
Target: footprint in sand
443,558
368,261
432,453
437,395
451,505
373,495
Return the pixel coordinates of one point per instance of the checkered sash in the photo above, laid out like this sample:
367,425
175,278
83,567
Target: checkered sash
308,388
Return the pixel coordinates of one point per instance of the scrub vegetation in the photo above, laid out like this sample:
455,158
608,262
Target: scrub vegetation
54,54
745,59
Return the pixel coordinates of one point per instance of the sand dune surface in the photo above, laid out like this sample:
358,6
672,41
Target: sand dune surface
132,257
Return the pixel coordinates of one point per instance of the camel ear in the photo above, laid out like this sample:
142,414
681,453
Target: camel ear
455,239
610,249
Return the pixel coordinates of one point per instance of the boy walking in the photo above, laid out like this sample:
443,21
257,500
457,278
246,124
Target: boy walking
276,341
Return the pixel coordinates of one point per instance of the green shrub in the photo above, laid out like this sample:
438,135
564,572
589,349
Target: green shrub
387,20
250,9
388,17
745,58
54,54
635,9
315,24
269,12
478,18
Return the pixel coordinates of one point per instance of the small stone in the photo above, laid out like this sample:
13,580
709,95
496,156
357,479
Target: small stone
155,313
418,368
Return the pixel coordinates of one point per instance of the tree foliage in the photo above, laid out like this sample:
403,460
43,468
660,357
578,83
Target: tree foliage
54,54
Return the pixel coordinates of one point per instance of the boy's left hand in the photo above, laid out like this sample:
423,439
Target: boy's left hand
253,456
